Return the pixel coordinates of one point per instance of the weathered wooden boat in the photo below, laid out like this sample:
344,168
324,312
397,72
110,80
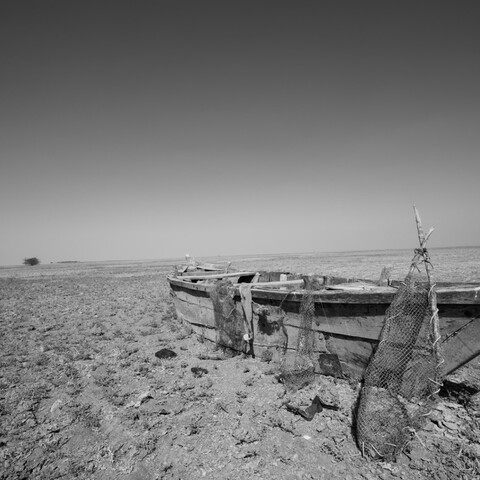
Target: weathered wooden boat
259,313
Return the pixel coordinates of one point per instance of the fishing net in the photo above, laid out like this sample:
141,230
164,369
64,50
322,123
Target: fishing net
403,374
298,370
228,323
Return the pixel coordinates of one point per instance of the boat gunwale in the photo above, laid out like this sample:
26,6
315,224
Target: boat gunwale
335,294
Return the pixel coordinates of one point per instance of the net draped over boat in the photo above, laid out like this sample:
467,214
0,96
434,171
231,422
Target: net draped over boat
228,324
404,372
299,370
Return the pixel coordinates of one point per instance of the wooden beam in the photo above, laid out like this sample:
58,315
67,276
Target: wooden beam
280,283
216,275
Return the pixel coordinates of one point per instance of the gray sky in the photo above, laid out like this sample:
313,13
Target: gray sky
148,129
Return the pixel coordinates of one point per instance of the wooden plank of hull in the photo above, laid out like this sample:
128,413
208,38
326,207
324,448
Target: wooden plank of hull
455,317
381,295
462,346
196,309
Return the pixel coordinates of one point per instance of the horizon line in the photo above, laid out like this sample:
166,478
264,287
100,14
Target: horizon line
313,252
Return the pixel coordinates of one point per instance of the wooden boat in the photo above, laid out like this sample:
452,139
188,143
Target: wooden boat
262,315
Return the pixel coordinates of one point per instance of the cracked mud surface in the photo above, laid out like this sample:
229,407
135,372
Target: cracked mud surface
82,394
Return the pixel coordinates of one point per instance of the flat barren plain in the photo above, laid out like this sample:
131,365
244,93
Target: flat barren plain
82,394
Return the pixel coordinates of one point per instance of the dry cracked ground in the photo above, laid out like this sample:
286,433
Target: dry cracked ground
82,394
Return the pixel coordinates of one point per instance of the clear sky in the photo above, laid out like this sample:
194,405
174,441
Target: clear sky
149,129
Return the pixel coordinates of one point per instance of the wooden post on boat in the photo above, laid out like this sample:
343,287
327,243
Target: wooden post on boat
432,295
385,276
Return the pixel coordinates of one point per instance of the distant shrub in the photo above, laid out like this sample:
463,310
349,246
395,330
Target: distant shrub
31,261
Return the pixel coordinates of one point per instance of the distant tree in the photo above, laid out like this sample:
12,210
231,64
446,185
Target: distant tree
31,261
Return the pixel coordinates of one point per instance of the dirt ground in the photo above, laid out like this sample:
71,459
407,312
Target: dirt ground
82,394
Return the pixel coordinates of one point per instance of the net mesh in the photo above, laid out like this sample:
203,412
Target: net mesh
228,322
298,370
403,374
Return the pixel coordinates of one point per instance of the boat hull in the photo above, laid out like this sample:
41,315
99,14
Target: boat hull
346,327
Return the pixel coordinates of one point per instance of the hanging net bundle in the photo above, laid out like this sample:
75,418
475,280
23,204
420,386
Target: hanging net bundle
229,324
298,370
403,375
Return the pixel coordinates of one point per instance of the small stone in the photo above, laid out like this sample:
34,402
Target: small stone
321,427
199,371
55,406
165,353
475,448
